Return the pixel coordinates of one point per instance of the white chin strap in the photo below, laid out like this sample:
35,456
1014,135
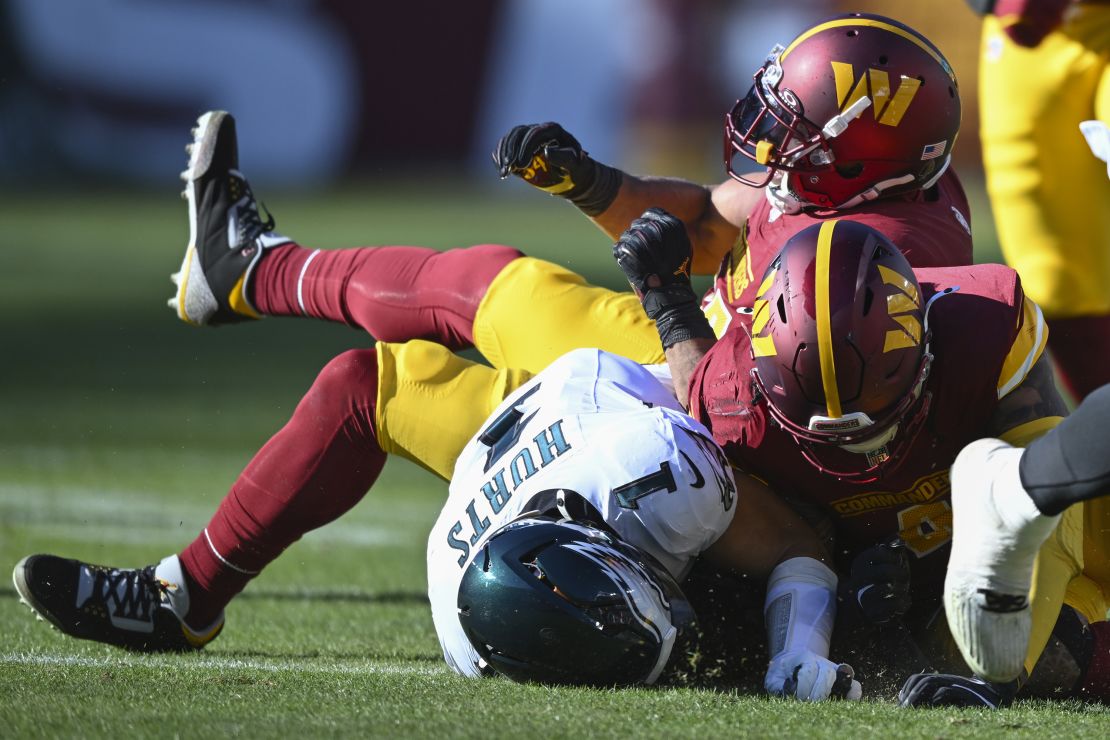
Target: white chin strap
780,197
874,443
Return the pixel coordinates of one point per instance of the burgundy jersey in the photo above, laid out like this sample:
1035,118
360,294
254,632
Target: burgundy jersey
931,228
985,338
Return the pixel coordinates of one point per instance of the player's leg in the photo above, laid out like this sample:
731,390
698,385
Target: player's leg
520,312
1006,502
1071,463
237,268
315,468
418,400
535,311
312,471
394,293
1048,192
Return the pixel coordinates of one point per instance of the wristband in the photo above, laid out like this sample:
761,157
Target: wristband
595,197
674,309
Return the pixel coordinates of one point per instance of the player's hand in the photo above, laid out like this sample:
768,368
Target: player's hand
1027,22
654,254
545,156
947,690
806,676
879,583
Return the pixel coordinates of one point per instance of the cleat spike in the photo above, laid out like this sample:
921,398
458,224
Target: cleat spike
184,195
189,148
186,174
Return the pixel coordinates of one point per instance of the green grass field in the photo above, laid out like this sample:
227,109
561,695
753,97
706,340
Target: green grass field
121,428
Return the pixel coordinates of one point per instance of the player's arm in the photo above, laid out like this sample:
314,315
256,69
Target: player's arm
654,254
712,215
1031,409
764,532
547,157
767,540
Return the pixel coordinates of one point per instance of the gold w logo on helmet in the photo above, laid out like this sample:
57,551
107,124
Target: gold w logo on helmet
763,343
901,306
887,110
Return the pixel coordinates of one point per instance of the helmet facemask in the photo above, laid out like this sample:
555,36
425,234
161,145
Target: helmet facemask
769,127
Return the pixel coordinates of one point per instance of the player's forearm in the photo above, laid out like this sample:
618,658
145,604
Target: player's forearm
710,234
764,532
682,358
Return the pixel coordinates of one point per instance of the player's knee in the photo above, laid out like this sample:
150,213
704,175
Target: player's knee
348,382
495,254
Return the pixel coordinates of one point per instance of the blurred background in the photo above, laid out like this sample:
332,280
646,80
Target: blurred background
328,89
360,123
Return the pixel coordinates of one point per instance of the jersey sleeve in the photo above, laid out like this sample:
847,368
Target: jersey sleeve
1027,347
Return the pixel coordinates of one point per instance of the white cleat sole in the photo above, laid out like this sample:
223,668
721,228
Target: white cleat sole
194,301
24,593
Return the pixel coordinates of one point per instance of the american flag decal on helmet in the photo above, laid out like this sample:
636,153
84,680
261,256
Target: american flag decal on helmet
932,151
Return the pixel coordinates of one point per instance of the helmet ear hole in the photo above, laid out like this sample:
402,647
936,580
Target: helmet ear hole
849,170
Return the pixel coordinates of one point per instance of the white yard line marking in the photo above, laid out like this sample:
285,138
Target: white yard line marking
212,662
140,518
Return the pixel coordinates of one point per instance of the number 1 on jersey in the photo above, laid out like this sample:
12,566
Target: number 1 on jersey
629,493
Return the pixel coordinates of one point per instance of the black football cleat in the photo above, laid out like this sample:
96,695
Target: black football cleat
139,609
227,234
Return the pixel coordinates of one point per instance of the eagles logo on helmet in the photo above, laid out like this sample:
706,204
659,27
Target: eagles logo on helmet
840,343
806,120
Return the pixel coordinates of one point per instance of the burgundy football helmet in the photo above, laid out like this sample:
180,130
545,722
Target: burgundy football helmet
841,347
855,108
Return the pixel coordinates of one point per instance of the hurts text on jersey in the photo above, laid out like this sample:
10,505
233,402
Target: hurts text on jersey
541,451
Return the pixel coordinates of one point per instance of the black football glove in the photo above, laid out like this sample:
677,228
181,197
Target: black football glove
879,583
547,157
654,253
947,690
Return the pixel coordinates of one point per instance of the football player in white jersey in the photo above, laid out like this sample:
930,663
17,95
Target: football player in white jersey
594,437
598,439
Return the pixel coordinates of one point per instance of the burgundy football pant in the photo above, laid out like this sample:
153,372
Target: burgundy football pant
325,459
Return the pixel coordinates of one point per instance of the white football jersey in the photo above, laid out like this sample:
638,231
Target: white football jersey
600,426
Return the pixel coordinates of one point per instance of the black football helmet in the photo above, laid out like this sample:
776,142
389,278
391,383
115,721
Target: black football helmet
567,603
